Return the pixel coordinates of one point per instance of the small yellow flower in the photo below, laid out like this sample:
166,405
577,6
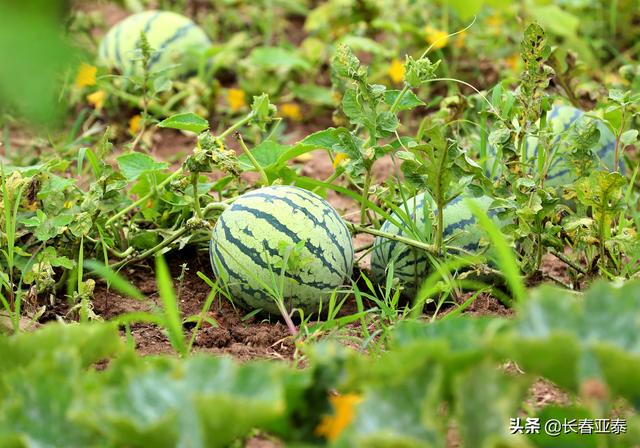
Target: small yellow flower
436,38
33,206
236,99
86,75
97,98
134,124
331,426
494,22
291,110
68,204
513,61
460,39
396,71
338,159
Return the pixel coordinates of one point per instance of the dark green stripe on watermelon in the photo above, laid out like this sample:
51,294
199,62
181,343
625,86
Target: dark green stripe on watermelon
315,251
182,31
271,198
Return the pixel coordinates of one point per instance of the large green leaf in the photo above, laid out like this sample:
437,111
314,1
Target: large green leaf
569,339
486,399
135,164
187,121
201,402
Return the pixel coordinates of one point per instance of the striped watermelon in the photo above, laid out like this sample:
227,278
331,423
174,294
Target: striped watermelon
175,39
411,266
561,118
251,236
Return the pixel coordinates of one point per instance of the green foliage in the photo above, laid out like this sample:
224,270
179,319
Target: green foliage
395,398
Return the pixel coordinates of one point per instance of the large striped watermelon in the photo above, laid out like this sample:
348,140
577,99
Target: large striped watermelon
561,118
175,39
251,237
411,266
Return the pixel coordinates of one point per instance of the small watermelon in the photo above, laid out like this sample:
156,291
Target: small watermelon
251,238
561,118
412,266
175,39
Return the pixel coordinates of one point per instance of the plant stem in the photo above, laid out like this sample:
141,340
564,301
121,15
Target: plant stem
568,262
144,198
396,103
167,241
214,206
235,126
365,197
616,163
196,196
263,176
153,107
408,241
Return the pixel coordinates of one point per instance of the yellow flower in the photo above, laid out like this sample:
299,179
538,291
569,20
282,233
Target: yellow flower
460,39
495,21
97,98
86,75
331,426
513,61
291,110
396,71
338,159
436,38
236,100
134,124
68,204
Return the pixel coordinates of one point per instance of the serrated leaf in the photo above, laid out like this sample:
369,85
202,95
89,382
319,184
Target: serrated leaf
187,121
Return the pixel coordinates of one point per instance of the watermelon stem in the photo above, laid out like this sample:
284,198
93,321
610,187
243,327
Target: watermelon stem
263,176
144,198
401,239
365,197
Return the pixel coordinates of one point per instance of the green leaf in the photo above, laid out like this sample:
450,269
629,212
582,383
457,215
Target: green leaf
322,139
555,19
204,401
409,100
187,121
314,94
487,399
565,339
115,280
399,406
171,311
267,153
466,9
35,52
278,58
135,164
629,137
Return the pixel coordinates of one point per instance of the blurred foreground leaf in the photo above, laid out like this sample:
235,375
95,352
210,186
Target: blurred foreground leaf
34,54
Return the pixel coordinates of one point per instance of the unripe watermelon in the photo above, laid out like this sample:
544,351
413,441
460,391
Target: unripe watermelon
175,39
250,239
560,119
411,265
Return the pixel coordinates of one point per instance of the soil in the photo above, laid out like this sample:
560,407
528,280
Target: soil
242,339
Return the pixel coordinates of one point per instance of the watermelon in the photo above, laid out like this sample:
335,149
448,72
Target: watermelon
411,265
252,236
560,119
175,39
